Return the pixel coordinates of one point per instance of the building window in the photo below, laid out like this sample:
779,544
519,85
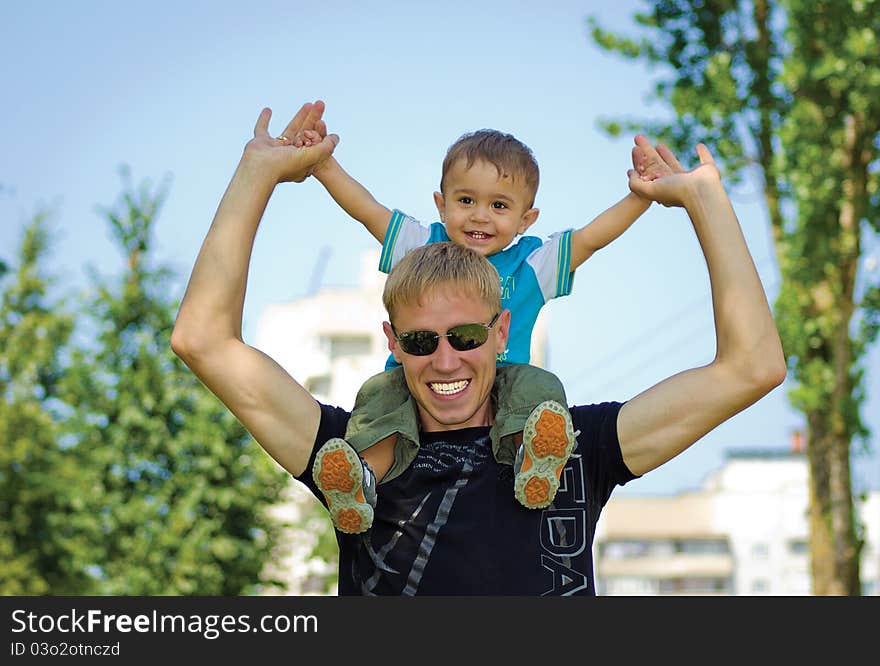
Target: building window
798,547
624,550
627,549
346,346
703,547
760,551
662,548
318,385
695,585
760,586
628,586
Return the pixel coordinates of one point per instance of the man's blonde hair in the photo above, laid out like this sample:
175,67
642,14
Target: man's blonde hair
425,269
510,156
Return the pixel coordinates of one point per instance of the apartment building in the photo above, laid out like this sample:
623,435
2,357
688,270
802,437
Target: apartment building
744,532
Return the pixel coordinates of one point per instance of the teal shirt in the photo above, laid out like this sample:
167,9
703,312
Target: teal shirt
532,271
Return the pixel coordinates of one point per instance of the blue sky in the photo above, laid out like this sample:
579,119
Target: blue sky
173,89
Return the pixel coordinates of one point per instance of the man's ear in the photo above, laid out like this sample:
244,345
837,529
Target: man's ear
393,347
441,206
502,332
528,219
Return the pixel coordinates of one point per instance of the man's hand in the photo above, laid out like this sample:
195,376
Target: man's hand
657,174
279,156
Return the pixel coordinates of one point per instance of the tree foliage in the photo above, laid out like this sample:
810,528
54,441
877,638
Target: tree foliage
787,90
41,485
119,472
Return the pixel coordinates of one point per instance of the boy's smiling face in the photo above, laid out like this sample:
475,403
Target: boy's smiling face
482,209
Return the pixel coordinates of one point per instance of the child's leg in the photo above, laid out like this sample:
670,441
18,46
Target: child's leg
548,440
380,456
533,430
348,486
384,426
380,442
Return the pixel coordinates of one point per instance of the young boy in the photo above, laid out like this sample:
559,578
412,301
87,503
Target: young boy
487,191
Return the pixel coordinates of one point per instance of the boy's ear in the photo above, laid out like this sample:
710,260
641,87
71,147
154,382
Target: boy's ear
441,206
528,219
392,341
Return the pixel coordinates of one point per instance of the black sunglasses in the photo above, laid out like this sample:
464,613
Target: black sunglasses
463,337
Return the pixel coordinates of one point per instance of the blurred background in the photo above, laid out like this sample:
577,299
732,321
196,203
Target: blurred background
124,122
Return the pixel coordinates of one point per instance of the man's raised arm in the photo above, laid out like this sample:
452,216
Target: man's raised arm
662,421
276,410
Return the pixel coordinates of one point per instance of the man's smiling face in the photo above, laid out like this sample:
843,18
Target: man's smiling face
451,388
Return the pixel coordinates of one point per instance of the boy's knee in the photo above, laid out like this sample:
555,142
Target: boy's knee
522,384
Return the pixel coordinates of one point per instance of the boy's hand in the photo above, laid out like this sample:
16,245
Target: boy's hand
308,137
651,164
659,176
277,155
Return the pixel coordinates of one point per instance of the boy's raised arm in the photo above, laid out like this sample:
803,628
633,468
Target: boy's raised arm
276,410
662,421
610,224
354,198
606,227
351,196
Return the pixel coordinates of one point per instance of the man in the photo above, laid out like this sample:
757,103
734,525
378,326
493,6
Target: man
447,525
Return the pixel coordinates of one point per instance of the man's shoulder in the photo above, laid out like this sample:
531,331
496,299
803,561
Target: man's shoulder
608,405
333,422
596,419
598,444
597,406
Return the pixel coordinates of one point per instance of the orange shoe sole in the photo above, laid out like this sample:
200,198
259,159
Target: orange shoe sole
548,440
339,475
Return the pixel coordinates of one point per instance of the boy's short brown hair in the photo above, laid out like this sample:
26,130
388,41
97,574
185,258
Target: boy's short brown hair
429,267
503,151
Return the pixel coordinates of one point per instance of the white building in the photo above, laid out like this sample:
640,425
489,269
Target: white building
745,532
330,341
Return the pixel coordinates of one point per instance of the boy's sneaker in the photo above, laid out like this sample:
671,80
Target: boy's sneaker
348,485
548,440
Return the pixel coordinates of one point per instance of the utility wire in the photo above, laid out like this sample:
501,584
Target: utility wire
638,342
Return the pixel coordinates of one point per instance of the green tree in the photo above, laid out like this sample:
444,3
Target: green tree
44,539
183,490
788,89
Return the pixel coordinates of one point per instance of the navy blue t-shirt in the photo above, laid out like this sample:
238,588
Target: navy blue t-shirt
450,524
